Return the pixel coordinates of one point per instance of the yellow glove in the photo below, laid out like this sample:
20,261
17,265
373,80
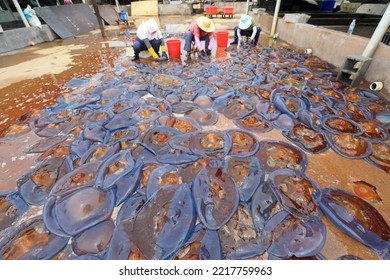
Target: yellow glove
163,49
151,50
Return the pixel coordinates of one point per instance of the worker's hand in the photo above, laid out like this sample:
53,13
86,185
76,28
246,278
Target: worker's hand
153,53
202,55
251,42
208,52
242,42
163,57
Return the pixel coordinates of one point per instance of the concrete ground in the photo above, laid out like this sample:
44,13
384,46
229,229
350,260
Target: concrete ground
33,78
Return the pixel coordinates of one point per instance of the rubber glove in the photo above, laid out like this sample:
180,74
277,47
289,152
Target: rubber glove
208,52
202,55
153,53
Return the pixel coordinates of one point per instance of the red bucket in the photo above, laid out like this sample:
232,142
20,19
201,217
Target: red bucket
174,47
222,38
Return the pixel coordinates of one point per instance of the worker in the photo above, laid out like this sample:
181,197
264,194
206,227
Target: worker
149,37
202,29
246,27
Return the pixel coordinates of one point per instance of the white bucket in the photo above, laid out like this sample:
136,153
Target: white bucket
377,86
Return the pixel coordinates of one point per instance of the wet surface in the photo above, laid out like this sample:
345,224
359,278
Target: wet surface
35,87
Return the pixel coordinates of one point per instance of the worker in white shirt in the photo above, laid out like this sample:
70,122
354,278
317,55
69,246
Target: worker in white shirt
246,27
149,37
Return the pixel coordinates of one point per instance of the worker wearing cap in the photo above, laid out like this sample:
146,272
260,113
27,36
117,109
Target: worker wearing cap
200,30
149,37
246,27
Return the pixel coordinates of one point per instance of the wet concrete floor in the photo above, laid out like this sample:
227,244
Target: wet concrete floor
33,78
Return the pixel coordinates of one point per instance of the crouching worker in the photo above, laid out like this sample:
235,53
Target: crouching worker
149,37
246,27
200,30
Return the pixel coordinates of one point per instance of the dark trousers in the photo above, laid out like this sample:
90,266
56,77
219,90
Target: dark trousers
139,45
247,33
189,38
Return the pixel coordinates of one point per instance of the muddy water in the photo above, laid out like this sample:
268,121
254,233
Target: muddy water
37,76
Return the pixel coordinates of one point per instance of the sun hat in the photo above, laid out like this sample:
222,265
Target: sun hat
205,24
151,25
245,22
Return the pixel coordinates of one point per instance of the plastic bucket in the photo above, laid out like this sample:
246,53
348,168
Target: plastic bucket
174,47
222,38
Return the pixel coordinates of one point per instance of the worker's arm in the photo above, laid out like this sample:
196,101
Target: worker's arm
150,48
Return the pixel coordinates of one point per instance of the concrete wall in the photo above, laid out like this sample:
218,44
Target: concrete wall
331,46
174,9
19,38
186,8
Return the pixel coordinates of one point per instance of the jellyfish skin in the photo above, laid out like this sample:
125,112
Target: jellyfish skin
94,132
12,206
130,207
119,121
84,175
83,208
79,146
239,236
308,139
295,192
354,147
31,241
157,137
262,204
212,143
128,183
93,240
176,159
216,197
121,163
122,245
203,244
99,152
231,105
244,144
46,144
160,228
128,133
35,193
50,217
337,125
275,155
285,236
356,217
252,175
182,142
161,177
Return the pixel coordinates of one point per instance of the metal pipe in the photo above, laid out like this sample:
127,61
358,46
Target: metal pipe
378,34
276,14
117,6
17,6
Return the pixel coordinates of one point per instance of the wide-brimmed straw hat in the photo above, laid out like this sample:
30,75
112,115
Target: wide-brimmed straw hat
151,25
245,22
205,24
